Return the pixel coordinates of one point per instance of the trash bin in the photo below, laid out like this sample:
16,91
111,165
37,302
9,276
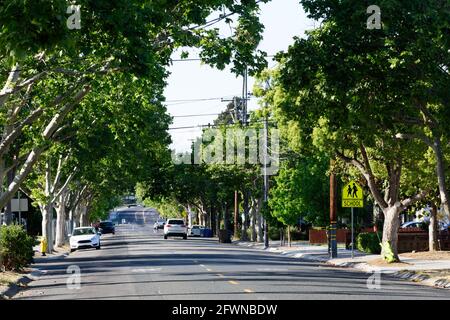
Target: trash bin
207,233
224,236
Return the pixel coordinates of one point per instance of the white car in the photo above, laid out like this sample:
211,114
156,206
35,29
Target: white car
85,237
196,230
175,227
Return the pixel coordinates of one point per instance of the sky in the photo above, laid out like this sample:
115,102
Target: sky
190,80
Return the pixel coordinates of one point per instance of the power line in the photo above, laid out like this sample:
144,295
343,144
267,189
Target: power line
193,100
199,59
196,115
200,126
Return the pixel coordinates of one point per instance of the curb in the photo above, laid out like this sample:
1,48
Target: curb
423,279
408,275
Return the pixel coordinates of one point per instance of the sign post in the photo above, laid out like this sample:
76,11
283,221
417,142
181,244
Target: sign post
352,197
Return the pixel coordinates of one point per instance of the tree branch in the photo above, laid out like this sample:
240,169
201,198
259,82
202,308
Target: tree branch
367,173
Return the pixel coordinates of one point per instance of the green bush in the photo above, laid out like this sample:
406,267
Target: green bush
368,242
297,235
274,233
16,247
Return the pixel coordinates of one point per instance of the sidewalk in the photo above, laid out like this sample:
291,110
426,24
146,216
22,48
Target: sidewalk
19,280
429,272
56,254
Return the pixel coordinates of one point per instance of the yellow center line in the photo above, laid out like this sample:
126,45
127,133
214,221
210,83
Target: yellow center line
220,275
249,291
209,270
233,282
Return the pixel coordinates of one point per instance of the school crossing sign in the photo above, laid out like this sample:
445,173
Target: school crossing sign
352,196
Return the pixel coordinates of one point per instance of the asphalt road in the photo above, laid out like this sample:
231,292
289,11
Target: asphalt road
138,263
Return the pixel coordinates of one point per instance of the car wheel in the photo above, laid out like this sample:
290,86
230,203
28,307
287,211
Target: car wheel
165,236
98,247
72,250
185,237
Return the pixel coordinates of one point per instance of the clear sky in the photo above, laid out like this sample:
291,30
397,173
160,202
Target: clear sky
283,19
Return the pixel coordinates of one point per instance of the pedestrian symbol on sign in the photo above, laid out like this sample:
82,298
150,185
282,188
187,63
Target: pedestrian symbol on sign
352,196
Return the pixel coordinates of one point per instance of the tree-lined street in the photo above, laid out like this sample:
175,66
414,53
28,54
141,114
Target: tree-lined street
339,133
137,263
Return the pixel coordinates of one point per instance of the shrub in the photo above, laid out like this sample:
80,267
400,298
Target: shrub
16,247
274,233
368,242
297,235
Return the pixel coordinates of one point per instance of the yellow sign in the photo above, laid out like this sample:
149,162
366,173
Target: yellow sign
352,196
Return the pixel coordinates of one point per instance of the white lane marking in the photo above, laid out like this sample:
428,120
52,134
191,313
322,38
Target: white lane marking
143,270
272,269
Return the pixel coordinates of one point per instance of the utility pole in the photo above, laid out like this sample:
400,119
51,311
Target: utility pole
333,215
245,97
266,184
236,209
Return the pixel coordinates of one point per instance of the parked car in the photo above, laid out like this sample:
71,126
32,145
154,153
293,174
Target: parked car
195,231
175,227
83,238
414,224
159,224
107,227
444,226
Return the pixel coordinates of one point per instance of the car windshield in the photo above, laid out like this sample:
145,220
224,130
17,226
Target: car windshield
84,231
175,222
195,227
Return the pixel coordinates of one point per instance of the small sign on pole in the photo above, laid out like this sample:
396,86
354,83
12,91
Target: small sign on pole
19,205
352,197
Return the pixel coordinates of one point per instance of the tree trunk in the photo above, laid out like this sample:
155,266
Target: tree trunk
83,216
244,226
60,221
432,229
289,235
14,186
47,218
217,221
71,221
8,210
440,171
226,218
390,229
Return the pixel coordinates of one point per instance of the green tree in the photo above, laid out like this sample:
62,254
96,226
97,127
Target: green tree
52,69
352,93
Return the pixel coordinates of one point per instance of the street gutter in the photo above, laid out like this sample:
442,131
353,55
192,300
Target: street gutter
416,276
